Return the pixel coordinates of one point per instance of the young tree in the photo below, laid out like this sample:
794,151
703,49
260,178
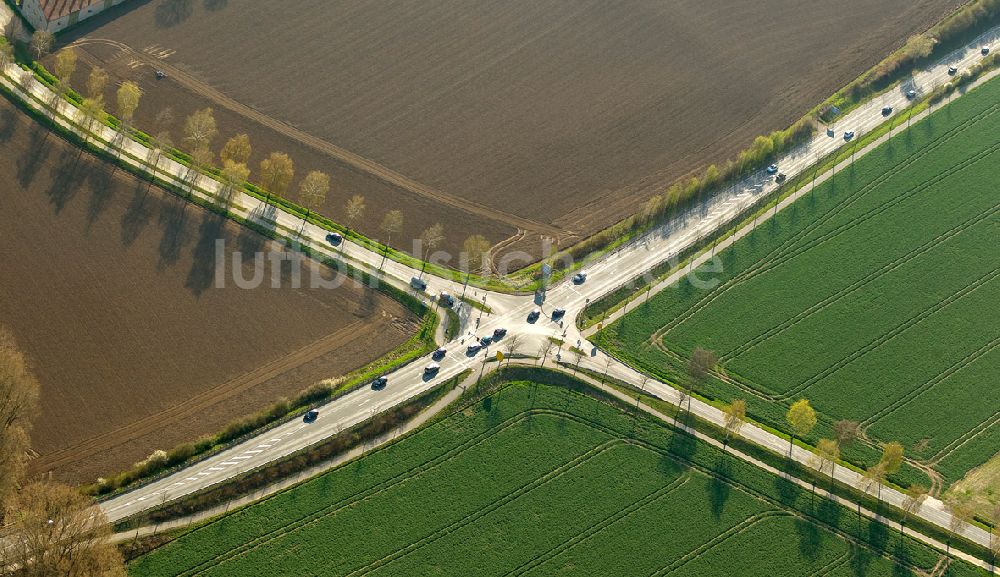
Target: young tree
96,81
545,349
18,401
312,191
355,210
430,239
392,223
237,149
93,110
961,514
915,497
276,173
846,432
128,96
6,55
701,364
802,418
201,157
65,66
200,129
827,451
41,43
874,475
234,174
474,252
511,345
892,457
55,530
736,417
160,142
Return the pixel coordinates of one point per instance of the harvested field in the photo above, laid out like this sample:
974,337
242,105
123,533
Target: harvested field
873,296
552,117
110,287
537,480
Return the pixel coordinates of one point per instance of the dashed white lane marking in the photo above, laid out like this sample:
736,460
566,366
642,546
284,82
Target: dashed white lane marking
255,451
275,440
229,463
264,446
191,479
215,468
241,457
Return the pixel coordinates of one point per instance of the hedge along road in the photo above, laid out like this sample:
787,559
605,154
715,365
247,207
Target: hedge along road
509,311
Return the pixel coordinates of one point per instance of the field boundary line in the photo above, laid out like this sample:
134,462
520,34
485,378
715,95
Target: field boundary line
363,494
861,283
579,461
835,210
600,526
966,438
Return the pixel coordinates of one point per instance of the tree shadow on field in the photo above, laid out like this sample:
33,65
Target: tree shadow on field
173,219
214,5
170,13
137,214
902,567
102,185
718,487
860,561
35,155
8,124
788,492
66,179
810,538
203,262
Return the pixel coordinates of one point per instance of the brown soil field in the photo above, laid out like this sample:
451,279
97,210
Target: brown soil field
549,116
109,286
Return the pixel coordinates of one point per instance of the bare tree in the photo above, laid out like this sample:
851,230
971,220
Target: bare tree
200,129
874,476
237,149
312,192
846,432
430,239
915,497
961,514
18,400
736,417
202,157
392,223
475,250
41,43
58,531
577,358
511,345
234,174
545,349
276,173
802,418
355,210
6,55
701,364
92,110
160,142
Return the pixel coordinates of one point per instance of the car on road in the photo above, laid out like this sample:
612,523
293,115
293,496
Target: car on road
952,70
558,313
439,354
886,110
446,300
780,178
486,340
580,278
310,416
380,383
911,94
473,348
772,169
985,50
533,315
499,333
830,132
432,369
334,239
848,135
418,283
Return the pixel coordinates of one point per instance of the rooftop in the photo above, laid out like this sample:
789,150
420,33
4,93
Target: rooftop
55,9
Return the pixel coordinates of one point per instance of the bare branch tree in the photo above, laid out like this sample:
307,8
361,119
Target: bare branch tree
430,239
18,401
846,432
545,349
234,174
312,192
200,129
392,223
6,55
511,345
41,43
355,210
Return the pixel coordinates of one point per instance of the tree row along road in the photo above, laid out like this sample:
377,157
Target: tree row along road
509,311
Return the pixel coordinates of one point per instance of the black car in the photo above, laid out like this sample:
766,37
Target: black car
310,416
780,178
558,313
579,278
985,50
911,94
952,70
418,283
380,383
334,239
886,110
533,315
499,333
439,354
473,348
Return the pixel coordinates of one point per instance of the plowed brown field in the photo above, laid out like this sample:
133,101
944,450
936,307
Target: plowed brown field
110,288
552,116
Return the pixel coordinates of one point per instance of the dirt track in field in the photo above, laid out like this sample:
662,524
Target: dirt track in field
497,115
110,287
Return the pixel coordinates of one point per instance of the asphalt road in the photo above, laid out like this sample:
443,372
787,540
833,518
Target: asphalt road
508,311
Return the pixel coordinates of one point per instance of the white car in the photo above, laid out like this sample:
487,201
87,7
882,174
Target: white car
432,368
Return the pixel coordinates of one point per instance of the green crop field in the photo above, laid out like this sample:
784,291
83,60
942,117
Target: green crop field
541,480
875,297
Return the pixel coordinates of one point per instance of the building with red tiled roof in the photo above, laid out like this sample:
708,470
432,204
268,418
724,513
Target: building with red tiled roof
54,15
